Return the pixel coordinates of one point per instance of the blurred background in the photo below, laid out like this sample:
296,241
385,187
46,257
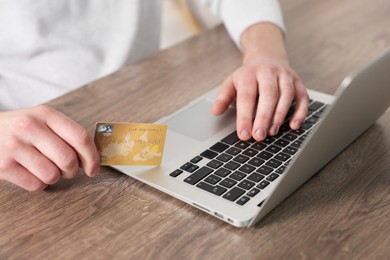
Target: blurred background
182,19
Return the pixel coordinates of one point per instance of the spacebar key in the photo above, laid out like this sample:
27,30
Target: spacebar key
198,175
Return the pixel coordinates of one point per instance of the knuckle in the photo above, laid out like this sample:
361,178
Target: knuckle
247,96
271,93
269,69
69,160
285,71
43,110
12,144
279,117
243,72
49,173
264,118
26,123
6,163
244,119
244,78
84,138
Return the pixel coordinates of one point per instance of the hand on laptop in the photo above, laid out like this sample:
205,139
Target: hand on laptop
39,145
264,75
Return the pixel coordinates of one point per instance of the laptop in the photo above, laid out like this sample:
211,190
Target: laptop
208,167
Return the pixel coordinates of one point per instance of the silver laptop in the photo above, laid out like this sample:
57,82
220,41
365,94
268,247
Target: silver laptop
206,166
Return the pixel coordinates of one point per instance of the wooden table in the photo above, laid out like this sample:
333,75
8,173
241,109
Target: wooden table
340,213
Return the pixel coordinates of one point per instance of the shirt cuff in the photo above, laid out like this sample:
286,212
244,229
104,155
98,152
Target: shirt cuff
238,15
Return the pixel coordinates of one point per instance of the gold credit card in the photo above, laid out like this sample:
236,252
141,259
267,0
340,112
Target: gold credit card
130,143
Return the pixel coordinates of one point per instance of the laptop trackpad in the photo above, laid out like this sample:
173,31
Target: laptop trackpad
197,122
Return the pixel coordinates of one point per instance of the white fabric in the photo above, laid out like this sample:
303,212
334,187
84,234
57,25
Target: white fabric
50,47
238,15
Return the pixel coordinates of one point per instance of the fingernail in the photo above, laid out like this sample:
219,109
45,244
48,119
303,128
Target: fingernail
274,129
245,134
260,134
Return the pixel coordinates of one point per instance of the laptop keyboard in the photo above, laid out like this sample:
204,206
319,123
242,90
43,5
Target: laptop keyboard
238,170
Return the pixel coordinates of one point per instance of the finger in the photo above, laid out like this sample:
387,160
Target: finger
21,177
302,102
286,96
54,148
225,96
247,92
78,138
37,164
269,94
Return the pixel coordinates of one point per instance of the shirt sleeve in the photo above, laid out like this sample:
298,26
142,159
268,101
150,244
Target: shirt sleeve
238,15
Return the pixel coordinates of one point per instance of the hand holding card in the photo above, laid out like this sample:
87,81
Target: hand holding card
130,143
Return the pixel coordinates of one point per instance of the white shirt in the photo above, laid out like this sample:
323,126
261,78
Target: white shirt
50,47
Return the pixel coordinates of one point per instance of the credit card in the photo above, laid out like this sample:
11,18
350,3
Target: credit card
130,143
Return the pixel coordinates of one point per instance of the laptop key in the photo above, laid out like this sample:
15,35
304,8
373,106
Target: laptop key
237,175
272,177
245,184
176,173
232,165
262,184
224,157
186,166
231,138
312,120
256,162
209,154
242,144
298,131
219,147
196,159
212,179
192,168
296,144
273,149
282,143
268,140
282,156
217,190
215,164
233,194
315,105
273,163
198,175
265,155
241,158
222,172
306,125
289,137
228,183
259,146
243,200
253,192
246,168
255,177
250,152
233,151
281,169
290,150
265,170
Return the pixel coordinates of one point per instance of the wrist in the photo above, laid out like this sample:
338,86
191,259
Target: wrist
264,43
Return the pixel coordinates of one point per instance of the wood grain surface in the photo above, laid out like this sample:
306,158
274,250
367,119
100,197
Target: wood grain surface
342,212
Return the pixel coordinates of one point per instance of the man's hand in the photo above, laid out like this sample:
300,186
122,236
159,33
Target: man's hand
264,80
41,145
